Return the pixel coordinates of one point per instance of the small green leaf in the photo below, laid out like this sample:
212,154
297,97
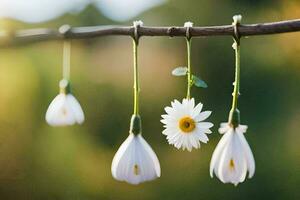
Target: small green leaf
180,71
199,82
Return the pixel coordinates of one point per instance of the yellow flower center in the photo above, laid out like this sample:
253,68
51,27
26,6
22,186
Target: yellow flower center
136,169
64,112
231,164
187,124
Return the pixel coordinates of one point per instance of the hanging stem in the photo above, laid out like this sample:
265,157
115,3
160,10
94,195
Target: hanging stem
189,73
136,78
66,59
234,115
236,90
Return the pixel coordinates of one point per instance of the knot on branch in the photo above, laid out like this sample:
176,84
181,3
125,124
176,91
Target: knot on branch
171,31
65,30
236,22
188,25
136,26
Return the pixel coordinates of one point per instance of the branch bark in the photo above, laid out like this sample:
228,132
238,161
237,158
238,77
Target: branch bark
8,38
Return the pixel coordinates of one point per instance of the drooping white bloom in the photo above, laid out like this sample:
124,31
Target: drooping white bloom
232,157
135,161
184,126
64,109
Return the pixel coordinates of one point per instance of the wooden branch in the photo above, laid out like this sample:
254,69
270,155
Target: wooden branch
8,38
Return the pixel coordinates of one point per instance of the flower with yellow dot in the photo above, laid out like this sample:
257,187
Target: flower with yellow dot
184,124
232,157
64,110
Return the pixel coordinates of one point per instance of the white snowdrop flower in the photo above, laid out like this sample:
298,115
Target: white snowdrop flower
135,161
64,109
184,126
232,157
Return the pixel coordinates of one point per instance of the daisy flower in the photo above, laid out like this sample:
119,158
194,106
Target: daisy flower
184,126
135,161
64,109
232,157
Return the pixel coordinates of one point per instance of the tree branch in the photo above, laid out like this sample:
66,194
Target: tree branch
8,38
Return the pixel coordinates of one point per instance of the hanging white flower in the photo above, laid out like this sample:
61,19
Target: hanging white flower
184,126
232,157
135,161
64,109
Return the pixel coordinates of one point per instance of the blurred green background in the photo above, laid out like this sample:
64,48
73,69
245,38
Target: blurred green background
73,163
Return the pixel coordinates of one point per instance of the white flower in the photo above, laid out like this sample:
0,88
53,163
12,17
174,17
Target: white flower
184,126
232,157
64,109
135,161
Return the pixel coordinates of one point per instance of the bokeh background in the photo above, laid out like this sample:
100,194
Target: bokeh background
73,163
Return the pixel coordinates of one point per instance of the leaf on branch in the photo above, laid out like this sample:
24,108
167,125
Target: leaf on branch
180,71
199,82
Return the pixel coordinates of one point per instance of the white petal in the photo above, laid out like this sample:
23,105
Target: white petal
241,129
248,154
223,169
176,104
169,110
76,108
135,161
202,116
122,151
59,112
240,170
205,125
201,136
197,109
152,154
191,105
224,127
214,163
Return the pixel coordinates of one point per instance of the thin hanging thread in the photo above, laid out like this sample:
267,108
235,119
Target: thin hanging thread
66,59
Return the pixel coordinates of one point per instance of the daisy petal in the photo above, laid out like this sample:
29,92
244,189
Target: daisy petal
205,124
202,116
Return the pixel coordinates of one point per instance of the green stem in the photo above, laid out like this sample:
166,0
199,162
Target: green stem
236,90
189,73
136,78
234,115
66,59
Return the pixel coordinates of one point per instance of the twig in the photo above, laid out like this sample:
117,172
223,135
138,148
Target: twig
8,38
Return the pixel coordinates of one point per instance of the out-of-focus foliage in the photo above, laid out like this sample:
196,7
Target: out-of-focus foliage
40,162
